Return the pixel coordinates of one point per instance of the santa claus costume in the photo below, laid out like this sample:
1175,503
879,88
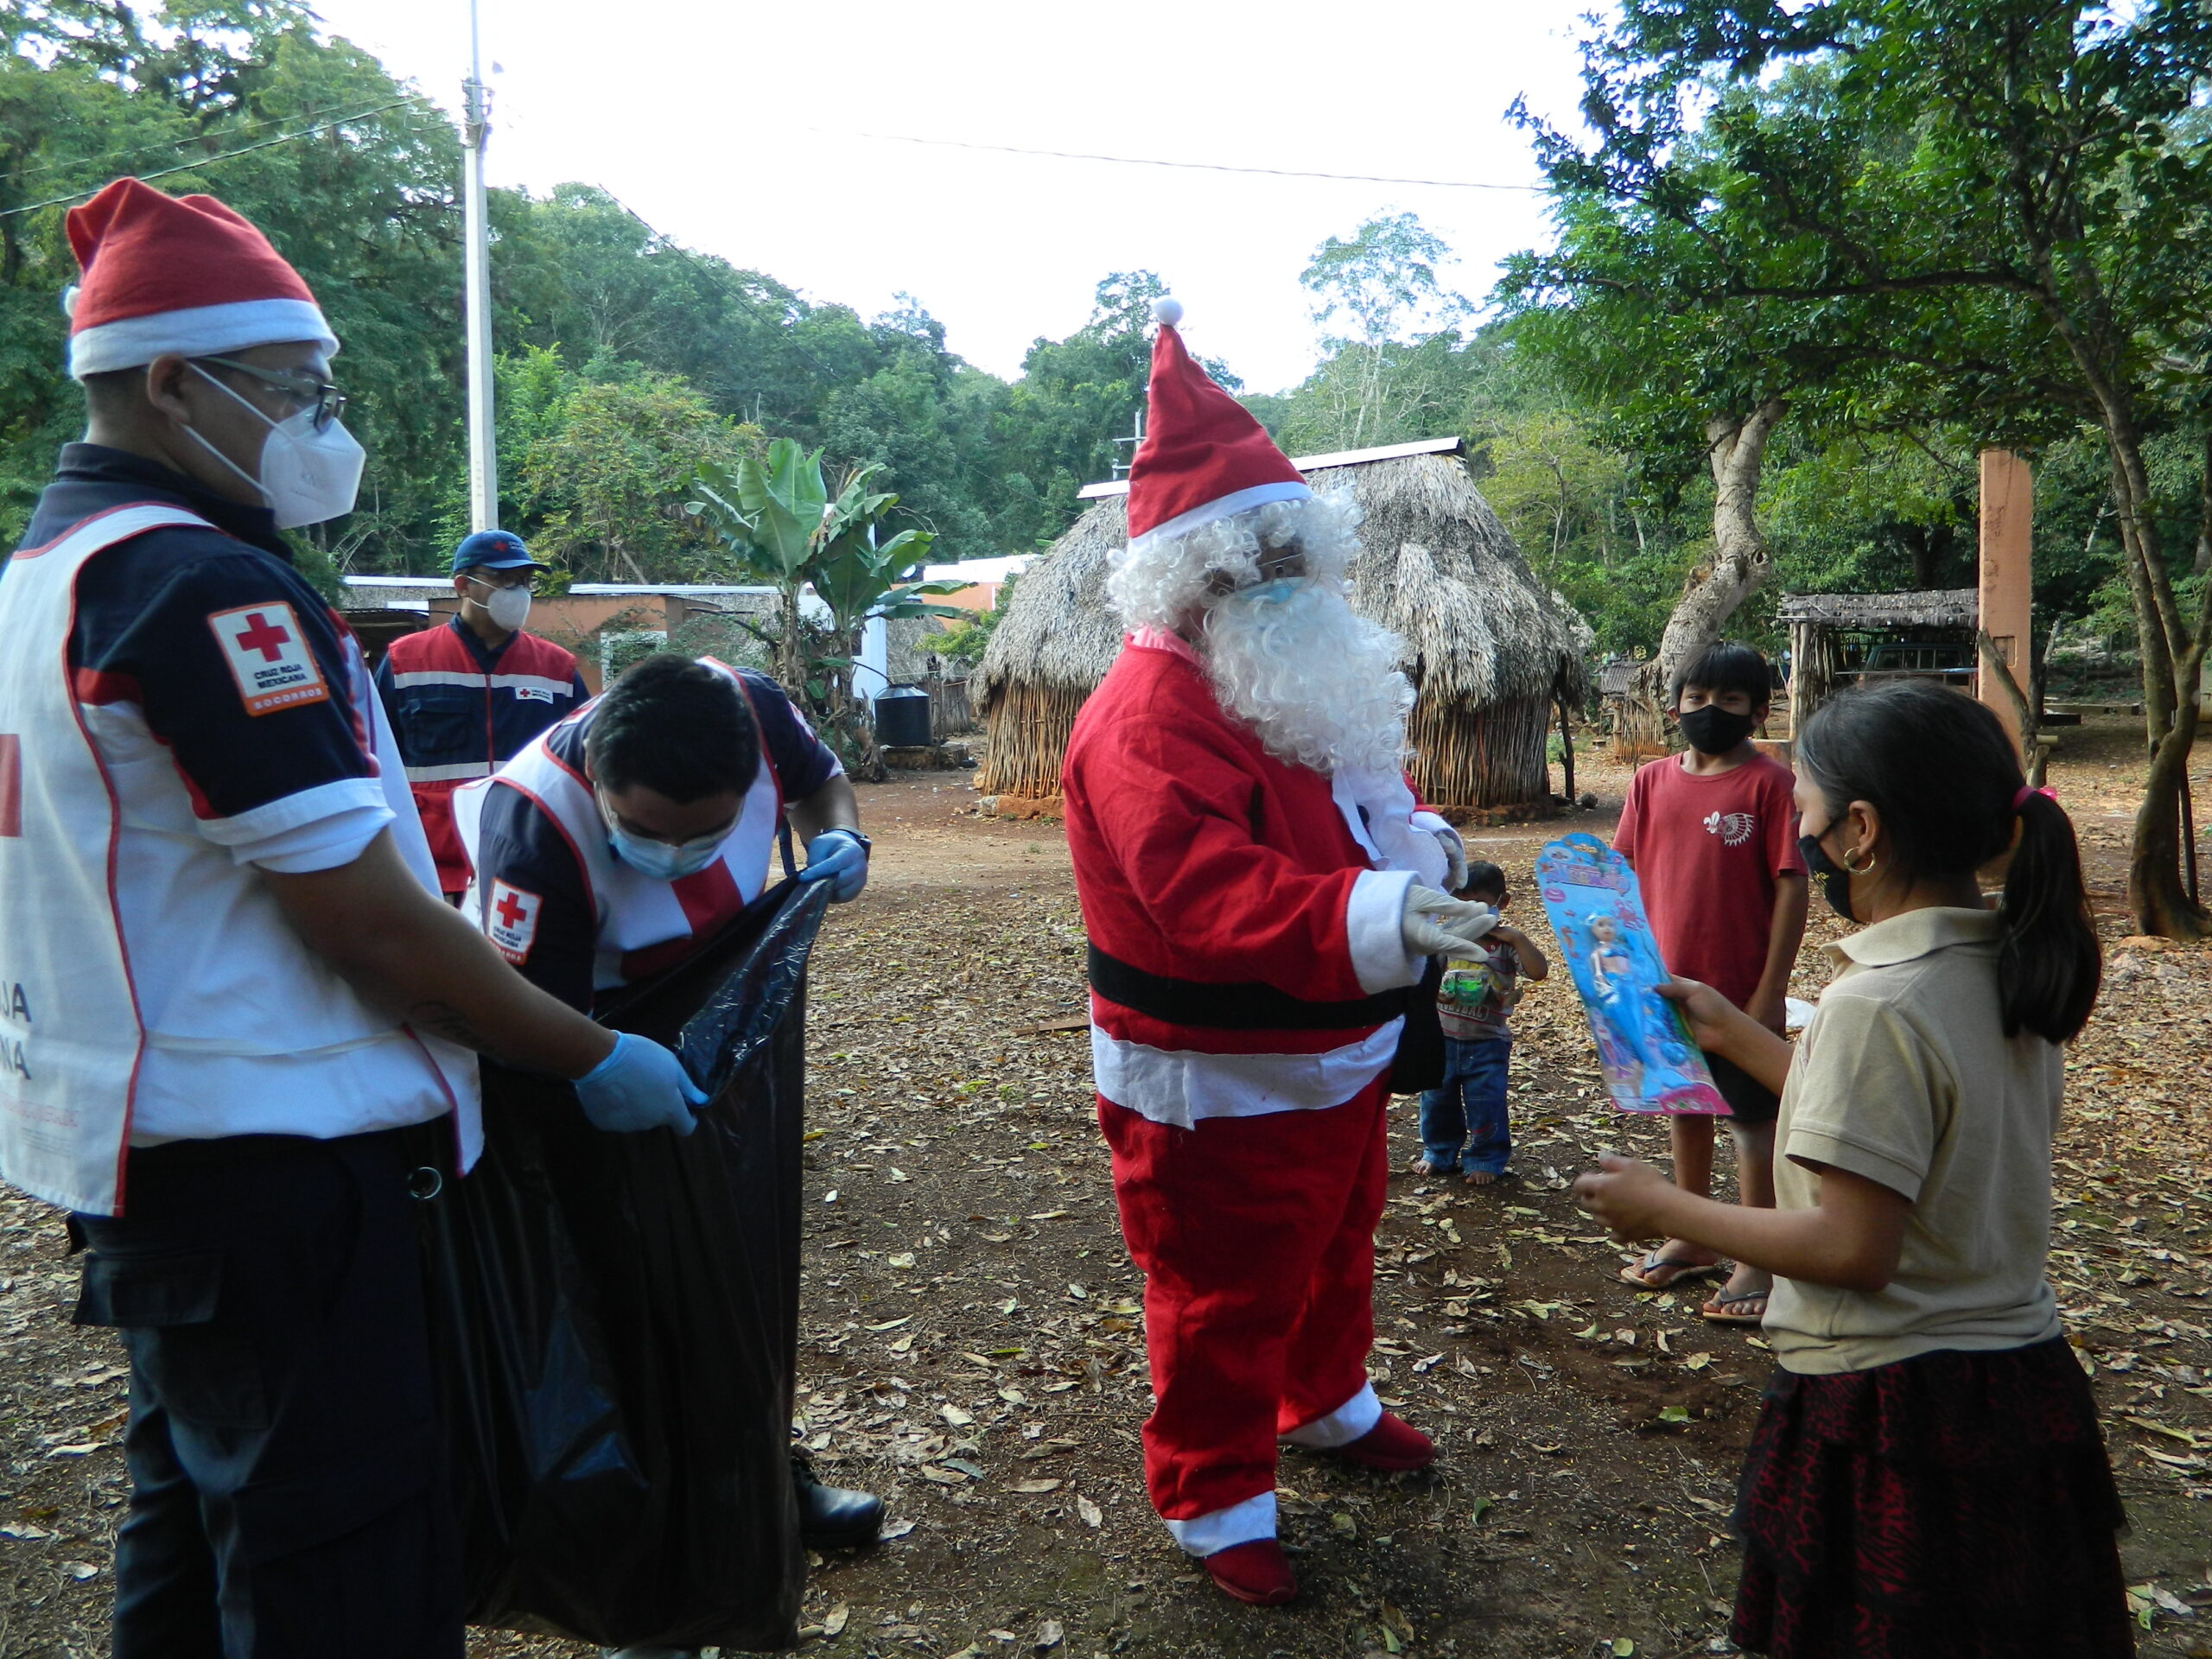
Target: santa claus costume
1258,885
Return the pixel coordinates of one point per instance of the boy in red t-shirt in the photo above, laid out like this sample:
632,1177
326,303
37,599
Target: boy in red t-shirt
1712,836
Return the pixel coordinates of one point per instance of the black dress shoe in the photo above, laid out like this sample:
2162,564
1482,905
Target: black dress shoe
833,1517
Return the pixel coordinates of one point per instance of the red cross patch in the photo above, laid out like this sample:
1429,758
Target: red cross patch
269,657
511,921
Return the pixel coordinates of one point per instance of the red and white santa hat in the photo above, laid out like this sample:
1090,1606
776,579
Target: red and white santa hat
181,273
1204,457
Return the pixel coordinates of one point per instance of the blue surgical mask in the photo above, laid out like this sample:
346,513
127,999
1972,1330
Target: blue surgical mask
1272,592
659,861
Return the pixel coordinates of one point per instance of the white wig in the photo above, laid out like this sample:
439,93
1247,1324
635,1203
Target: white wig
1169,582
1319,683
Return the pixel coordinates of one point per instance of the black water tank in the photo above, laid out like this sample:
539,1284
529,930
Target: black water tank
902,717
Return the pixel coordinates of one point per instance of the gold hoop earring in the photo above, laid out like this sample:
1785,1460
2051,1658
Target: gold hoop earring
1867,868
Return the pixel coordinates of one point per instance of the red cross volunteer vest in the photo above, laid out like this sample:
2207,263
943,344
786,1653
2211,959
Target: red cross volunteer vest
107,883
644,923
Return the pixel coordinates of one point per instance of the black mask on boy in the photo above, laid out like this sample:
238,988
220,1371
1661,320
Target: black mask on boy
1835,880
1712,730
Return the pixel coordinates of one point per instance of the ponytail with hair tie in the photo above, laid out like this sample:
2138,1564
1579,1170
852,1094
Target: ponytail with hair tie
1945,776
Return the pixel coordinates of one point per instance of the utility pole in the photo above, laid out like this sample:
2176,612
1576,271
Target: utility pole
483,452
1135,440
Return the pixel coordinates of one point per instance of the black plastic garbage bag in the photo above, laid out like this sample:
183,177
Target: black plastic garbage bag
615,1316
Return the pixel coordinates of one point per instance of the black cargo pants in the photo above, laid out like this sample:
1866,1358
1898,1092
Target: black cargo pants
288,1489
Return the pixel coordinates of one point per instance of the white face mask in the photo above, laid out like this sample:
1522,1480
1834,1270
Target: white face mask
508,607
306,476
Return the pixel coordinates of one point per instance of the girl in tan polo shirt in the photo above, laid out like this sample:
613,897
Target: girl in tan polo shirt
1926,1480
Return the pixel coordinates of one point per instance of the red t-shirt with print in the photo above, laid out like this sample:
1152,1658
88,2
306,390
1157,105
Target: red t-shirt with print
1707,847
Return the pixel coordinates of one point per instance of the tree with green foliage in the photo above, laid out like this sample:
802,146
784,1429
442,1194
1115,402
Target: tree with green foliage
781,521
597,466
1388,333
367,210
2004,206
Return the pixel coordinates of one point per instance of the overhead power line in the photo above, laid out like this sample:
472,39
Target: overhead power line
1153,161
166,145
210,161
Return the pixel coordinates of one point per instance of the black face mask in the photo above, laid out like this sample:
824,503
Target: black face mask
1712,730
1835,880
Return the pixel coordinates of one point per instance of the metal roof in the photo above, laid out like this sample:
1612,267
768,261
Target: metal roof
1935,607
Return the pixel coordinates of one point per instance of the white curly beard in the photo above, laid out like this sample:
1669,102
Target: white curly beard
1320,684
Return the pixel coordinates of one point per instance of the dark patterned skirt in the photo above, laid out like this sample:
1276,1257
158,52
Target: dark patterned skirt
1951,1506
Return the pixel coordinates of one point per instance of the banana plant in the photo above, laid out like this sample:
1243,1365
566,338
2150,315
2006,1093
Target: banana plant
779,522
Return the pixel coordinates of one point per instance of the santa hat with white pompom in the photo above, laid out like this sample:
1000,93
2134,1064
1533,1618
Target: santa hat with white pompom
181,273
1204,457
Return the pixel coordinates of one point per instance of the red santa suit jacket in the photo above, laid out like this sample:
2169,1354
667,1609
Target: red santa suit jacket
1245,953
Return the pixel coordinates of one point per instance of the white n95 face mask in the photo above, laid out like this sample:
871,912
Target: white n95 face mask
508,607
306,476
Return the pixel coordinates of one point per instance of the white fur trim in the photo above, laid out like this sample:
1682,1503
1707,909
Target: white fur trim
1168,310
1240,1523
1341,1427
1375,917
197,331
1178,1087
1222,506
1389,832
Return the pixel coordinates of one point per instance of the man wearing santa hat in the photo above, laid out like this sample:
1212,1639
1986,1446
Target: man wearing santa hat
230,996
1260,888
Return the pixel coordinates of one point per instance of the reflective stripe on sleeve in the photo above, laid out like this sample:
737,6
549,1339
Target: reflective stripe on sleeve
450,774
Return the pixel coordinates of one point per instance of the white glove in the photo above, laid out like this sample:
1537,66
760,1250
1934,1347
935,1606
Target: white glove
1435,924
1455,852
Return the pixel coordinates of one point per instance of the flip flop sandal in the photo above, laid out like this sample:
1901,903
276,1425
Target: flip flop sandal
1725,1300
1677,1270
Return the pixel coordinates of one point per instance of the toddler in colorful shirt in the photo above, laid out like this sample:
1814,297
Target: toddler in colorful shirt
1463,1119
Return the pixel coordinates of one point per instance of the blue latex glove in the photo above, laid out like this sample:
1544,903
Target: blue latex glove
837,855
639,1086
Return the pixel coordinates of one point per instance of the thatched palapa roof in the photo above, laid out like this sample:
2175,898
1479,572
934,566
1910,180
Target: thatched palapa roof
1935,607
1060,630
1438,569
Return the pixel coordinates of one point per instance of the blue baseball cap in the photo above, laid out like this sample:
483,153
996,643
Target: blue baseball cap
494,549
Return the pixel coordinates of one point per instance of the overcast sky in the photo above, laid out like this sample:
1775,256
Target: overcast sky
733,129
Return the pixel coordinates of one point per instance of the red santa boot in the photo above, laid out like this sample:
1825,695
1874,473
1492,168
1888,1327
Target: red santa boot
1258,1572
1393,1444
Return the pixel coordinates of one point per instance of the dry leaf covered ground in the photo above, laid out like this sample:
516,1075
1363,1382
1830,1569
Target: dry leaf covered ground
973,1348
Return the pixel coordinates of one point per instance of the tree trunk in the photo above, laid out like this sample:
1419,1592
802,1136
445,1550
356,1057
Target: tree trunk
848,717
1736,445
2173,662
789,664
2156,896
2027,711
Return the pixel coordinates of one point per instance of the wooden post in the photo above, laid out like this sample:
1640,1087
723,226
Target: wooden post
1566,750
2007,576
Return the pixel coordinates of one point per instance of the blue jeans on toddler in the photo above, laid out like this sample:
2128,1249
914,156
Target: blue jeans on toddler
1469,1107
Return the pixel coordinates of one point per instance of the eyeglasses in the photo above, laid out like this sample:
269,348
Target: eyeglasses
525,580
328,402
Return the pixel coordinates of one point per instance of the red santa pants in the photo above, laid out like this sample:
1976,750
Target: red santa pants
1257,1236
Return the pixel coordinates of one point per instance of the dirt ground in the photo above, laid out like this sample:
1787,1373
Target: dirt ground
972,1346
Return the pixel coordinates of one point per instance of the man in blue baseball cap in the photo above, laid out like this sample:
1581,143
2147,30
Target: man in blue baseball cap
469,694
